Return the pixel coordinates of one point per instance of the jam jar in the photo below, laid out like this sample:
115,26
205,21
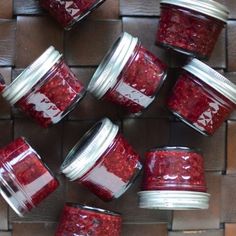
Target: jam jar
47,90
191,27
129,75
174,179
84,220
103,161
202,97
67,13
24,179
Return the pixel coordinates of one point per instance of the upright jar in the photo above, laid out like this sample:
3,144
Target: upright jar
103,161
174,179
202,97
25,181
191,27
129,75
47,90
67,13
83,220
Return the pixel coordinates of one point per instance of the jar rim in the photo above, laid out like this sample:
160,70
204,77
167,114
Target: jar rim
176,148
173,200
89,149
112,64
211,77
25,81
206,7
98,210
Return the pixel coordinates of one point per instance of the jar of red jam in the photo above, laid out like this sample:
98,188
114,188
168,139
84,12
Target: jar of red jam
25,181
191,27
47,90
84,220
174,179
103,161
129,75
67,13
202,97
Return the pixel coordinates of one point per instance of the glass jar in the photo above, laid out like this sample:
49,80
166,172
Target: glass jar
67,13
174,179
25,181
202,97
191,27
103,161
129,75
47,90
83,220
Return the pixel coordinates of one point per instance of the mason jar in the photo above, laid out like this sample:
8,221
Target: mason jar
67,13
78,219
174,179
47,90
202,97
103,161
191,27
129,75
25,181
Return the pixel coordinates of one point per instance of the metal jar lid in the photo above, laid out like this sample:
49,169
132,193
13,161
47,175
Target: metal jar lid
31,75
89,149
212,78
173,200
112,64
207,7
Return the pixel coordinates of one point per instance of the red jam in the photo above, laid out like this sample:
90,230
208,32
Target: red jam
26,180
188,31
141,78
198,104
69,12
82,220
53,96
103,161
114,172
174,169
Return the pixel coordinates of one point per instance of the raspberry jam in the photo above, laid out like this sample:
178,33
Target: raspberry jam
67,13
129,75
83,220
47,90
191,27
174,177
103,161
202,97
24,180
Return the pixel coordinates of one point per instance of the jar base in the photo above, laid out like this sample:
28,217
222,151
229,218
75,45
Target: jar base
173,200
189,124
182,51
80,17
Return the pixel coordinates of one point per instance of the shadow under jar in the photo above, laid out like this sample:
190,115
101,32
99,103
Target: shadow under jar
47,90
25,181
83,220
129,75
191,27
202,98
67,13
103,161
174,179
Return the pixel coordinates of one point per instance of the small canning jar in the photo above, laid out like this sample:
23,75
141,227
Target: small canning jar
67,13
174,179
202,97
47,90
129,75
25,181
84,220
103,161
191,27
